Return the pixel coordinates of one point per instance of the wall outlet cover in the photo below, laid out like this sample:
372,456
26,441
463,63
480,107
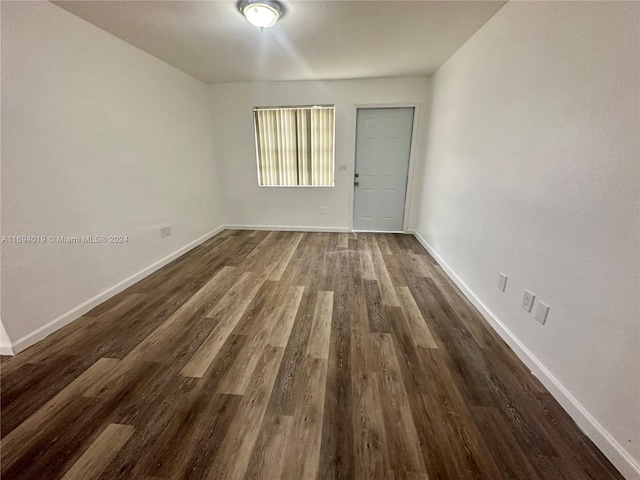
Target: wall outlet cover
324,210
502,281
165,231
541,312
527,300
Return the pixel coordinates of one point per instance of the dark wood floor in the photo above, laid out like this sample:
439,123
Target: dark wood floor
282,355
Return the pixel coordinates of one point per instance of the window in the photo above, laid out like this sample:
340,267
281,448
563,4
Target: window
295,145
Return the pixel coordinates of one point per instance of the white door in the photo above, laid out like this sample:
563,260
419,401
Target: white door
383,145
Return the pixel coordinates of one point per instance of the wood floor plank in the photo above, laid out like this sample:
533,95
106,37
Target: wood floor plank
331,264
403,240
302,452
29,387
267,460
418,327
375,308
411,358
464,352
262,251
307,263
264,305
184,444
361,356
401,435
336,453
453,446
343,240
273,332
385,245
286,355
283,323
413,244
422,265
15,442
244,245
155,344
49,451
385,283
96,458
189,440
232,459
390,255
464,310
321,327
402,475
283,262
56,446
229,310
153,348
371,448
364,252
513,461
292,376
207,444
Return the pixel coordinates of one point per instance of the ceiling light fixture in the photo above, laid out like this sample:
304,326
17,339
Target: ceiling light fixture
261,13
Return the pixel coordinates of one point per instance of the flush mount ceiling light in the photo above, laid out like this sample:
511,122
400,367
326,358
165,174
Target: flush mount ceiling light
261,13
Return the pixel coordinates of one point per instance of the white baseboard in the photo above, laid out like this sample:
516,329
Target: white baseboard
611,448
6,349
283,228
66,318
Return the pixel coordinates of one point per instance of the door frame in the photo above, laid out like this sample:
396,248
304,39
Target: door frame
412,153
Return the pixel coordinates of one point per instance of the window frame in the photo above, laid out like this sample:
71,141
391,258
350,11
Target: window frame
283,107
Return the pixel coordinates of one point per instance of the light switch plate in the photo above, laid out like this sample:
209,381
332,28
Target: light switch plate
527,300
502,282
541,312
342,167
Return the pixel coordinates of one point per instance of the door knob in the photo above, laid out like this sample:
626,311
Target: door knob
357,175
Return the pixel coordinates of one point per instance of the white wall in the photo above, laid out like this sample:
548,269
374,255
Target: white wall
247,204
532,169
5,341
98,138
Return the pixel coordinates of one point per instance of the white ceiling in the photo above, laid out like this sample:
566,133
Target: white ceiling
314,40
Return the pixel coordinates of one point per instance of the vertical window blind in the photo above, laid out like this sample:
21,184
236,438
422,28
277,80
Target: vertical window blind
295,145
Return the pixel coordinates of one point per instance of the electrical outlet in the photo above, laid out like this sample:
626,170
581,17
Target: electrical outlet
324,211
165,231
541,312
502,282
527,300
